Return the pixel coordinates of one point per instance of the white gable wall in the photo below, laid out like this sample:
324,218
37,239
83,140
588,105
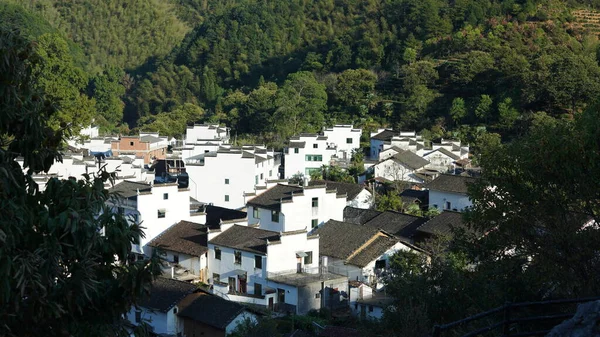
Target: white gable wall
363,200
239,319
393,171
438,199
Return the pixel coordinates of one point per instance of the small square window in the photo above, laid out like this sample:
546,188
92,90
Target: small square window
175,258
130,143
165,196
348,140
226,198
255,213
315,146
314,223
206,151
448,205
296,150
270,173
217,253
274,216
315,202
174,310
138,316
257,261
226,181
237,257
308,258
261,176
161,213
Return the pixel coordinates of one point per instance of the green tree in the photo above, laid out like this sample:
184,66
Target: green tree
390,201
458,110
300,103
62,250
172,123
108,91
484,107
507,114
354,86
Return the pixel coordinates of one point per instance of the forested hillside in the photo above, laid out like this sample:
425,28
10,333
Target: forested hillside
433,65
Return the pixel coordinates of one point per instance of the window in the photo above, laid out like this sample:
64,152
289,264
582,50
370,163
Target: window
314,223
174,310
226,197
130,143
296,150
138,316
206,151
217,253
348,140
226,181
315,146
161,213
308,258
255,213
176,258
121,211
315,202
274,216
257,289
318,295
216,278
261,176
313,157
448,205
257,261
270,173
165,196
237,256
256,180
370,308
380,264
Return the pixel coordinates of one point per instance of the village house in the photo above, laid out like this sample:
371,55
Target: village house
356,195
368,304
277,270
359,252
288,208
403,166
156,207
307,153
400,225
203,138
147,146
207,315
223,177
439,226
449,192
161,308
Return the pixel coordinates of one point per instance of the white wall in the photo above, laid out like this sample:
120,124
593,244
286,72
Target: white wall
439,161
363,200
281,257
226,265
458,201
238,320
162,323
339,136
297,163
393,171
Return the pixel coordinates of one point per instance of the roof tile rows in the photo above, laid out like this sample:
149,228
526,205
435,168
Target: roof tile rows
166,293
246,238
184,237
210,309
271,199
451,183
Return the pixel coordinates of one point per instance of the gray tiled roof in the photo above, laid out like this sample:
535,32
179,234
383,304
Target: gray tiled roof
166,293
184,237
214,215
442,223
128,189
271,198
246,238
297,145
410,159
350,189
373,251
341,239
396,223
384,135
451,183
359,216
210,309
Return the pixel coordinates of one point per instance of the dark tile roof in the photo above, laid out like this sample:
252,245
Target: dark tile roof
128,189
374,250
271,198
384,135
246,238
451,183
442,223
210,309
338,331
410,196
297,333
166,293
214,215
396,223
359,216
449,154
184,237
410,159
341,239
352,190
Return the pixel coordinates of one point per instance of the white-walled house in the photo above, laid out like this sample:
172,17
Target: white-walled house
223,177
356,195
279,271
360,252
366,303
156,207
402,166
449,192
287,208
309,152
184,249
203,138
161,308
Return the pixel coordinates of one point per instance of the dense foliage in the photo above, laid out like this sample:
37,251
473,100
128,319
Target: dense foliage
436,65
62,250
